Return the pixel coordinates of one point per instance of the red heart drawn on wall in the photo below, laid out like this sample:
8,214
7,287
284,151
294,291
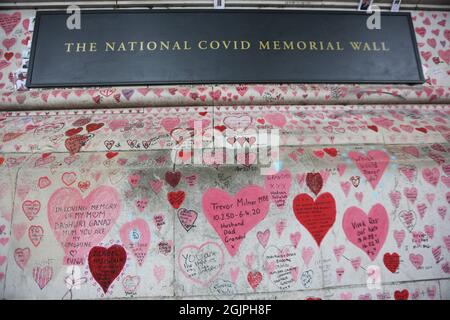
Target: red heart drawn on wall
332,152
176,198
316,216
111,155
74,143
170,123
401,295
9,136
106,264
94,126
445,55
431,175
73,131
173,178
391,261
314,181
8,43
254,279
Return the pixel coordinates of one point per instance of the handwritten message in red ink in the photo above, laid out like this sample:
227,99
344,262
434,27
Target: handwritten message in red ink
81,223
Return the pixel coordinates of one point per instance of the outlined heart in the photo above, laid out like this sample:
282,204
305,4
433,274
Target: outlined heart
201,264
31,208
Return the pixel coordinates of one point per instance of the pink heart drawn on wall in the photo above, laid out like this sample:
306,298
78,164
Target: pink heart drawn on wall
366,231
236,214
278,186
372,165
81,223
135,235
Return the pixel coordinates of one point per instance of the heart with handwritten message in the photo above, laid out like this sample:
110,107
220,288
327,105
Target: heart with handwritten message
372,165
106,264
316,216
282,265
201,264
9,21
35,233
278,186
233,216
238,122
135,235
187,218
81,223
366,231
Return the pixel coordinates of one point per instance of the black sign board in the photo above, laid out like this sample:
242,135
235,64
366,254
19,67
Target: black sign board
131,47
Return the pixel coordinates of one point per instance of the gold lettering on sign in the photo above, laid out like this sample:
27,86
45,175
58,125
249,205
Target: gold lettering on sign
68,46
93,47
366,46
151,45
132,44
300,45
202,45
245,45
288,45
276,45
312,45
110,46
264,45
81,46
216,45
122,47
164,45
